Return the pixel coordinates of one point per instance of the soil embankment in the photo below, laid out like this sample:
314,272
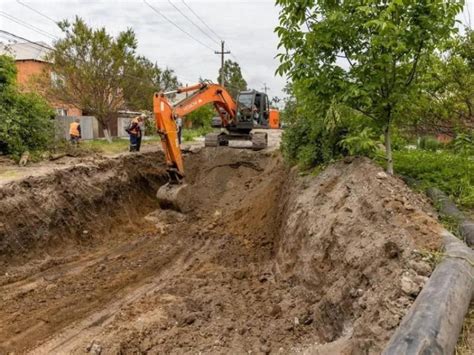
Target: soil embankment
264,261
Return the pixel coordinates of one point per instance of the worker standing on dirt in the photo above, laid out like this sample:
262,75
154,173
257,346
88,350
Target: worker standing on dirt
75,131
135,132
179,126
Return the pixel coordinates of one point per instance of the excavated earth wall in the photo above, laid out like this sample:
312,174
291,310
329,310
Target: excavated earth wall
265,260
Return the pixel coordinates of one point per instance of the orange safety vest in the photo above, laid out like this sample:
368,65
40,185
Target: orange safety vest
74,129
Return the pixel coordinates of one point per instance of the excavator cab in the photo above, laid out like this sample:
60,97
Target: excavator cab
252,109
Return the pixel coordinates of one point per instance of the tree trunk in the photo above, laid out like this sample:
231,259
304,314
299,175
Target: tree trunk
105,129
388,149
107,135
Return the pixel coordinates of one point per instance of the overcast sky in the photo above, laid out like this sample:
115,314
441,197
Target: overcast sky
246,26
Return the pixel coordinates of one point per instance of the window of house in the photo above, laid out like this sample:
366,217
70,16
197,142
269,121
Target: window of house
61,111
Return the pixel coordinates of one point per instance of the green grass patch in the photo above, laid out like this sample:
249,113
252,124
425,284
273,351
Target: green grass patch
118,145
190,134
450,172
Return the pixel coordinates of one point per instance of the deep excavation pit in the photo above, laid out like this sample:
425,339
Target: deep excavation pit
264,260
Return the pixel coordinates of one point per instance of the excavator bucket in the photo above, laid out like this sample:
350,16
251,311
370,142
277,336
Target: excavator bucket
173,196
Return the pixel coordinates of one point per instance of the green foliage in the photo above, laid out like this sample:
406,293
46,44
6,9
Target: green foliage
142,79
233,78
190,134
360,143
384,46
445,100
25,118
451,173
463,143
90,69
202,117
430,143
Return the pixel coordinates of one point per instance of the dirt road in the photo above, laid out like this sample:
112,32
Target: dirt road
266,261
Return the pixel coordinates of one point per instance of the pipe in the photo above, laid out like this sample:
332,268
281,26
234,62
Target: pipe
434,321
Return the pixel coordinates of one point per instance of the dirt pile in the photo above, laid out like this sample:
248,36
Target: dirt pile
353,236
264,261
70,205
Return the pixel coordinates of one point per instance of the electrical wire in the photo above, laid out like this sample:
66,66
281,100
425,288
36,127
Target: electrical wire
178,27
200,19
38,12
197,26
31,27
25,39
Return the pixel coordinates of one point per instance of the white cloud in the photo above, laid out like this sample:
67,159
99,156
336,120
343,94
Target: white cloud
247,27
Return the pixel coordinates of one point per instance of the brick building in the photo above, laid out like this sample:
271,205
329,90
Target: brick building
30,62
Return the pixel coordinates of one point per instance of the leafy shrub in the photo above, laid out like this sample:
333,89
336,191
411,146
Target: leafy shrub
25,118
431,144
190,134
360,143
452,173
463,143
202,117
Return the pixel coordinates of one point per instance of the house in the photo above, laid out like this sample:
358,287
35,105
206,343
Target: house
30,61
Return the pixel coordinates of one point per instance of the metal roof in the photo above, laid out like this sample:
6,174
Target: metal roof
25,51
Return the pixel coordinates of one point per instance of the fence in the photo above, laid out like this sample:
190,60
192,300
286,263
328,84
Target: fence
89,126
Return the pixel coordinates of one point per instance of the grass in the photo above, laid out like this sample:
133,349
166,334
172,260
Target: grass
465,345
450,172
190,134
118,145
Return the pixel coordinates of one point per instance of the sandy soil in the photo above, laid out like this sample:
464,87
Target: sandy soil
265,261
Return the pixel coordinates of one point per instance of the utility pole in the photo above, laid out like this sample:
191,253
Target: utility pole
222,53
265,88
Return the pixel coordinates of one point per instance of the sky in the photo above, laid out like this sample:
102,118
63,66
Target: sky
247,26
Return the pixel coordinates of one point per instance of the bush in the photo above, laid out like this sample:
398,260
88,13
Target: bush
190,134
431,144
26,119
202,117
454,174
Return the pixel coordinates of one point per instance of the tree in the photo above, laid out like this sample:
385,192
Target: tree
233,79
366,55
25,118
142,79
445,101
90,69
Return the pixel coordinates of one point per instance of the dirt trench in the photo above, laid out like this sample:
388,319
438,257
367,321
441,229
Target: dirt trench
265,261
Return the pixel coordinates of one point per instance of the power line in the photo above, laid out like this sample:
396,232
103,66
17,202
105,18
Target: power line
197,26
200,19
31,27
26,40
178,27
34,10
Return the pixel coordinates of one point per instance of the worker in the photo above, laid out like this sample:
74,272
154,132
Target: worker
135,131
179,126
75,131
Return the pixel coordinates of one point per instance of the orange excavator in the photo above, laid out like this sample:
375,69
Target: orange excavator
238,119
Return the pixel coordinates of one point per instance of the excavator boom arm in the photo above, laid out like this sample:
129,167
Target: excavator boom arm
165,114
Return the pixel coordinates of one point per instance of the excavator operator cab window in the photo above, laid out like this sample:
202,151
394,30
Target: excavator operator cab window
246,107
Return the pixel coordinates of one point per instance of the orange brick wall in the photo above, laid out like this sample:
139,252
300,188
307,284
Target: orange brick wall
28,68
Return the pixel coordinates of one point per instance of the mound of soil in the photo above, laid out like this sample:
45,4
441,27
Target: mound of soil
264,261
74,204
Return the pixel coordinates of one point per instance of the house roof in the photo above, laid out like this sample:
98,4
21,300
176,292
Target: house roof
25,50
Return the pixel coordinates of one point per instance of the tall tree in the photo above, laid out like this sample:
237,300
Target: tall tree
90,69
142,79
233,79
363,54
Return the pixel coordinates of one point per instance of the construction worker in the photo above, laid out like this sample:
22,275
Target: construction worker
75,131
179,126
135,131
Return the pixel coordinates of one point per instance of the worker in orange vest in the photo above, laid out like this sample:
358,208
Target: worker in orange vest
135,131
75,131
